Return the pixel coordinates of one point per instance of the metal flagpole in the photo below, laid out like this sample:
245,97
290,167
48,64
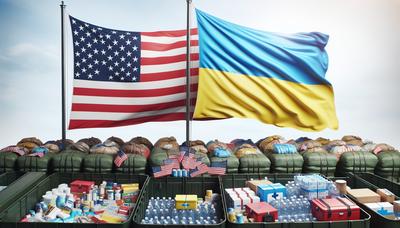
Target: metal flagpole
188,111
63,126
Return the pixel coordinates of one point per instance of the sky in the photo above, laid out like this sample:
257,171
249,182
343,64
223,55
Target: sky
364,60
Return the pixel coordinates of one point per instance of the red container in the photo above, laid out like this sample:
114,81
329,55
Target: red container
335,209
261,212
80,186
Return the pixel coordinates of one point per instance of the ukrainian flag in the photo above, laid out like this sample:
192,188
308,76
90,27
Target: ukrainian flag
274,78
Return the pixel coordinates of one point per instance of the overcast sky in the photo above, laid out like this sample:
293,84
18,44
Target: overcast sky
364,63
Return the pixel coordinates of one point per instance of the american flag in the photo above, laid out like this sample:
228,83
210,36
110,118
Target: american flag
189,162
120,158
217,168
123,78
160,171
200,169
174,163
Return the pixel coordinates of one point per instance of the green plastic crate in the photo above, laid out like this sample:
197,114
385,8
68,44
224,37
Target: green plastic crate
17,184
357,181
11,216
169,187
238,181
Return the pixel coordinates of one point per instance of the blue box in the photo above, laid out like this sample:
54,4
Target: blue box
269,192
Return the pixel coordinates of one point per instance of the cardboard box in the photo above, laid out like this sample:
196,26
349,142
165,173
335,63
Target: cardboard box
365,195
261,212
335,209
269,192
253,184
386,195
186,202
382,208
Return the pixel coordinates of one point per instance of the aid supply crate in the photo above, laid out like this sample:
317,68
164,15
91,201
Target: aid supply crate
171,186
238,181
17,184
372,182
11,216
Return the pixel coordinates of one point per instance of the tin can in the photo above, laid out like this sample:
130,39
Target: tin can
184,173
179,173
174,173
110,194
239,218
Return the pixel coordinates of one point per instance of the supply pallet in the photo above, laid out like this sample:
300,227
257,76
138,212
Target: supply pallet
238,181
11,216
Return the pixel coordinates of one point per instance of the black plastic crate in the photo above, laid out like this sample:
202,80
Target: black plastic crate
169,187
17,184
11,216
380,182
358,181
238,181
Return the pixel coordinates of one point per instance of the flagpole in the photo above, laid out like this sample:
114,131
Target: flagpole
63,125
188,116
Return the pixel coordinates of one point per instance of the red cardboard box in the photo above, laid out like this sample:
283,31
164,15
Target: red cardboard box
80,186
261,212
334,209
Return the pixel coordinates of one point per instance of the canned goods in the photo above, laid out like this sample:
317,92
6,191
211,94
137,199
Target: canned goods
232,216
174,173
179,173
184,173
110,194
239,218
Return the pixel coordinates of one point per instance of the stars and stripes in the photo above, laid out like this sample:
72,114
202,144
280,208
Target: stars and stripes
161,171
123,78
120,158
200,169
217,168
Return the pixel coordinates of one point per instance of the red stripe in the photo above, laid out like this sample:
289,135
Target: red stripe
168,59
170,33
131,93
75,124
151,46
76,107
167,75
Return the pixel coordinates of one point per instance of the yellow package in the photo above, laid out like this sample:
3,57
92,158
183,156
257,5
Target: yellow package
186,202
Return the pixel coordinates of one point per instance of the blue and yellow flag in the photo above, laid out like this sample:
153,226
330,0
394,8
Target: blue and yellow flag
274,78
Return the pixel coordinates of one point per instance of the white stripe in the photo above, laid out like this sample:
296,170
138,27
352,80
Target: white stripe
148,69
133,86
123,116
129,100
166,39
172,52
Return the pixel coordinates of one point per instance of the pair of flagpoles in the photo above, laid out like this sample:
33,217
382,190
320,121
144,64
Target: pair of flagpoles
188,103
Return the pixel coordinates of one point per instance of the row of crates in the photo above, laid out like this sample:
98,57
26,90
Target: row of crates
26,189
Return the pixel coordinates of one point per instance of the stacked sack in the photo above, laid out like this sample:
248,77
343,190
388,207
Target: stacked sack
9,156
163,149
251,159
283,156
388,165
352,157
138,151
38,158
220,152
316,158
101,155
199,149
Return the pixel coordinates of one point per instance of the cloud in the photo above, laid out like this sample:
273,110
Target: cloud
29,49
